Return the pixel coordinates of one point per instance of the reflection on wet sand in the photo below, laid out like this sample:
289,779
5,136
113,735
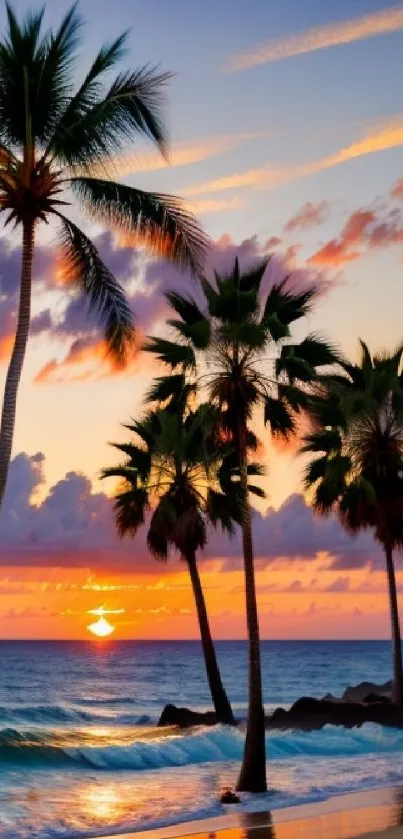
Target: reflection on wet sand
358,818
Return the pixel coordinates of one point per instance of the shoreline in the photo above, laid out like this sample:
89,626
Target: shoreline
370,813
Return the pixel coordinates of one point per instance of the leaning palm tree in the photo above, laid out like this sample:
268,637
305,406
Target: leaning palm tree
357,463
237,345
53,139
177,469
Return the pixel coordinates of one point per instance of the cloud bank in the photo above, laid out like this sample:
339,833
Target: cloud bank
73,526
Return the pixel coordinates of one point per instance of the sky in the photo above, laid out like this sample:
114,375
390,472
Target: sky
286,137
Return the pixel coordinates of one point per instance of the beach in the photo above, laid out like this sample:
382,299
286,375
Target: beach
375,815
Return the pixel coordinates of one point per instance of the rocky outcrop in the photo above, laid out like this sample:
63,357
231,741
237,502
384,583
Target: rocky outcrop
185,718
310,714
307,714
362,692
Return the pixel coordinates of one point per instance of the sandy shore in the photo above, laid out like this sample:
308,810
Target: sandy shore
376,813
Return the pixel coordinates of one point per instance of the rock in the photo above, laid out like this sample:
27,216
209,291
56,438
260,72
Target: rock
185,718
310,714
228,796
358,693
377,697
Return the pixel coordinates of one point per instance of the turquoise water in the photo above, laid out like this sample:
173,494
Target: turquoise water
80,754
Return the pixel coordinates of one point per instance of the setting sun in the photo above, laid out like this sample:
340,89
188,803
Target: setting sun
101,628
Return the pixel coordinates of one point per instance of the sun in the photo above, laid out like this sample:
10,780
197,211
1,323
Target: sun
102,628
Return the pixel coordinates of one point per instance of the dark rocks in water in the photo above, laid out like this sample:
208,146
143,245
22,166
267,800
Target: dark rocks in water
376,697
185,718
228,796
359,693
310,714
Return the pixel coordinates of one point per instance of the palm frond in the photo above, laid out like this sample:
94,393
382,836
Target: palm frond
126,473
279,416
198,334
167,387
289,306
278,330
157,221
21,62
293,396
95,127
251,279
138,459
325,440
325,497
176,355
159,534
366,361
222,511
104,293
55,81
187,308
315,470
316,351
292,368
130,510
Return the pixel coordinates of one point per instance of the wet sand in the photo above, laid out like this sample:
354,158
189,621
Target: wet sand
376,813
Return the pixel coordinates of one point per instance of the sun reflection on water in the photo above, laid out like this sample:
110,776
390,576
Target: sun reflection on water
102,803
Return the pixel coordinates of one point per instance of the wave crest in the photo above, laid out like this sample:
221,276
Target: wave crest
161,750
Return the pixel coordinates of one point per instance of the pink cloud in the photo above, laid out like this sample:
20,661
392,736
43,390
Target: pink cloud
309,215
344,249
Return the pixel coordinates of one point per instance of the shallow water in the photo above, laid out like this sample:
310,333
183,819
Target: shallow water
80,753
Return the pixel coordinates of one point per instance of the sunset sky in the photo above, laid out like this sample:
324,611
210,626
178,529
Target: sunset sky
286,127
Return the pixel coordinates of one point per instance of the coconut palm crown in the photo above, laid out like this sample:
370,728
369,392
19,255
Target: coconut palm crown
58,142
356,466
234,342
180,475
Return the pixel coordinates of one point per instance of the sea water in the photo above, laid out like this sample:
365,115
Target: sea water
81,753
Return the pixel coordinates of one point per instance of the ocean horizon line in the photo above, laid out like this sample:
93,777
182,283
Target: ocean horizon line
109,641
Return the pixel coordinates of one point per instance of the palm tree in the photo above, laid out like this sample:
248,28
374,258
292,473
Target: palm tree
357,465
237,344
53,138
177,470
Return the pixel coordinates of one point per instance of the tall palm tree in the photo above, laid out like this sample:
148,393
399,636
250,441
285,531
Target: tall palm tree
54,138
237,344
357,464
177,470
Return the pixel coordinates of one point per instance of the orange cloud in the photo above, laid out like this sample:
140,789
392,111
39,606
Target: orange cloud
363,228
269,176
319,38
182,154
215,205
89,361
339,251
309,215
397,191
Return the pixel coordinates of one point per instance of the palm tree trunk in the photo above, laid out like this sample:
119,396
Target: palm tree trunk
397,689
252,777
220,700
17,356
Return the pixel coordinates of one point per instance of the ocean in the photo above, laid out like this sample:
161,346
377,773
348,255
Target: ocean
81,756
